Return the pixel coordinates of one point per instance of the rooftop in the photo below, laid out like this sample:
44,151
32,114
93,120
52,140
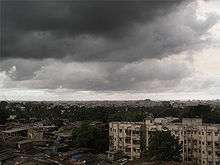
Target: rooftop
16,130
124,122
24,141
6,154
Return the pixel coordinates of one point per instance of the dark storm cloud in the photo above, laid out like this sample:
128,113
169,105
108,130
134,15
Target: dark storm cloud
92,16
42,29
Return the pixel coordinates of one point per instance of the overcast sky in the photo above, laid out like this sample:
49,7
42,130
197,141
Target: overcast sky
110,50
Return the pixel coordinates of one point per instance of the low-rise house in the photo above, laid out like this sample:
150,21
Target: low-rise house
16,134
25,145
6,155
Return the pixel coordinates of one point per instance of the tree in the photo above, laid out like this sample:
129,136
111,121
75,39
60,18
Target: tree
4,114
91,136
164,147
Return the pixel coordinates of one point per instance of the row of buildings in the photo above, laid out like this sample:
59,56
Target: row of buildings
200,141
42,143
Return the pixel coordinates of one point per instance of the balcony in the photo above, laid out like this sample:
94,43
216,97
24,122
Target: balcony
217,152
128,133
128,140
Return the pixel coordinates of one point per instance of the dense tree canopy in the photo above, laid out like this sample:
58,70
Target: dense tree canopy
4,113
91,136
163,147
52,112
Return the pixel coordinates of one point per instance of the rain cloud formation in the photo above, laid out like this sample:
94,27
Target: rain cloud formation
114,49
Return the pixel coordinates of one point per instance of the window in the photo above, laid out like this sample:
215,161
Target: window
210,163
136,132
136,142
128,132
128,140
127,149
194,142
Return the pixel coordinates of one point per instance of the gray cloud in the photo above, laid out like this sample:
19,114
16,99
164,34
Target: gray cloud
147,75
42,29
24,68
101,45
87,16
124,31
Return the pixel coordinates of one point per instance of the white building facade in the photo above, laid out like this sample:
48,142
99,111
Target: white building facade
200,142
126,137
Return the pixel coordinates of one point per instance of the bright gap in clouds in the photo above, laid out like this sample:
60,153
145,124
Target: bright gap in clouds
206,7
70,95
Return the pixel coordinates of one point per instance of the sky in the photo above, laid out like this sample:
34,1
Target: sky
109,50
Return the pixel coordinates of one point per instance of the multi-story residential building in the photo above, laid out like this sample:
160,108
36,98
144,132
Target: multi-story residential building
126,137
200,141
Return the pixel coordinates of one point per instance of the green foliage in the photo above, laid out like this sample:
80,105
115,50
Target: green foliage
131,116
53,112
206,112
163,147
197,111
91,136
213,116
4,114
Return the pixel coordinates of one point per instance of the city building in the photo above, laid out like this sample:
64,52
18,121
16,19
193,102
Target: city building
16,134
200,141
126,137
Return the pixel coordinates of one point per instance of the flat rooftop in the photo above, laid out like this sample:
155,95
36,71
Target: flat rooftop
6,154
16,130
125,122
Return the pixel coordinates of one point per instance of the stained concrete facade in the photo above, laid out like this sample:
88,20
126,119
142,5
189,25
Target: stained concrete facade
200,141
